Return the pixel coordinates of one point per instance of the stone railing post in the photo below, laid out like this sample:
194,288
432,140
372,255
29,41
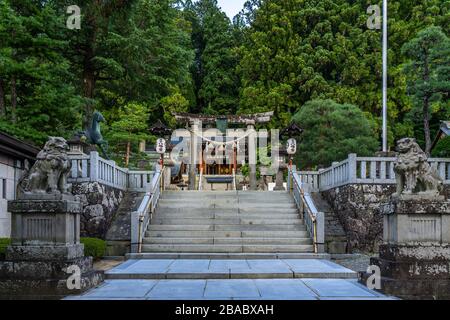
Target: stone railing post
352,167
333,173
94,166
320,228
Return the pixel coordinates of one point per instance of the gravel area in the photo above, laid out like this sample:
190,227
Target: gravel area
107,264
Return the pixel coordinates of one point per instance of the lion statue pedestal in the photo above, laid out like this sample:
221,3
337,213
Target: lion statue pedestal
46,259
415,255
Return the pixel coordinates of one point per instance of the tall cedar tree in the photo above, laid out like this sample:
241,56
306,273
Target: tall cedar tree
428,73
214,68
299,50
92,46
36,96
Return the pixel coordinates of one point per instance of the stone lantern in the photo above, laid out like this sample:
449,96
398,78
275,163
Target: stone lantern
163,133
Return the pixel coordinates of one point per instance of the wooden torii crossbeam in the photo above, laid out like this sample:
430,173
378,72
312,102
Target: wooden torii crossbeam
234,119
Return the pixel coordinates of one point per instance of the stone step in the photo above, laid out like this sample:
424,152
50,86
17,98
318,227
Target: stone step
263,198
230,248
261,227
194,234
218,205
223,256
222,194
219,241
242,210
224,221
206,215
228,234
231,227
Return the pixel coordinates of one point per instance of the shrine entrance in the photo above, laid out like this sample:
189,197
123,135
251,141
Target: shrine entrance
214,152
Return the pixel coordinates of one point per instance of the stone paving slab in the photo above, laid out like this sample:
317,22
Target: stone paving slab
245,289
339,288
228,269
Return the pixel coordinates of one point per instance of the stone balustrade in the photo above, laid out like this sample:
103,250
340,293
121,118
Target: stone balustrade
364,170
93,168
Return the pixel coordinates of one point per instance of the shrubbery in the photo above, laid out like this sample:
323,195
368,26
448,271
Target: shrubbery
94,247
331,132
4,242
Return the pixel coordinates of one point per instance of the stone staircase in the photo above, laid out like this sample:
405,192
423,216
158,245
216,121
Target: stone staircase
227,223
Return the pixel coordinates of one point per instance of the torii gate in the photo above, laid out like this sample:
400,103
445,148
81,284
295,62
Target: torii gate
249,120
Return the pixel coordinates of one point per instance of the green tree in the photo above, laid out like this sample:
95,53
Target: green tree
92,48
37,98
130,128
153,48
442,148
331,132
214,68
428,73
298,50
175,102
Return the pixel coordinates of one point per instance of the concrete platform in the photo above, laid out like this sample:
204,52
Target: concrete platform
229,269
234,289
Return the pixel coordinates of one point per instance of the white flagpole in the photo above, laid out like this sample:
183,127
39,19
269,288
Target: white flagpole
385,70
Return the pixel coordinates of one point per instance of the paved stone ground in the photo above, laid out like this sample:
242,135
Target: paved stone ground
228,269
232,289
315,279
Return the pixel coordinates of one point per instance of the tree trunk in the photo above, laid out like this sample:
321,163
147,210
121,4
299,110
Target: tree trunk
426,125
2,99
89,78
127,155
88,91
13,99
426,109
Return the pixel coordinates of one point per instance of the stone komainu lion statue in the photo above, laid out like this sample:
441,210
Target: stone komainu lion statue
50,171
413,173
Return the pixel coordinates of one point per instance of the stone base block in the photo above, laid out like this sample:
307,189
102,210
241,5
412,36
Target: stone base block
414,271
45,279
44,253
420,269
414,252
414,289
42,269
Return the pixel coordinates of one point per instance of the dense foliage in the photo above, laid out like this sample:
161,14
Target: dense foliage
161,56
332,131
4,242
428,75
442,148
299,50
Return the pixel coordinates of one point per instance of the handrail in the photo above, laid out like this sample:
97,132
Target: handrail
234,181
200,182
141,218
314,219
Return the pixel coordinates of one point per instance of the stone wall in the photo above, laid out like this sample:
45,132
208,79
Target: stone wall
357,208
100,204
